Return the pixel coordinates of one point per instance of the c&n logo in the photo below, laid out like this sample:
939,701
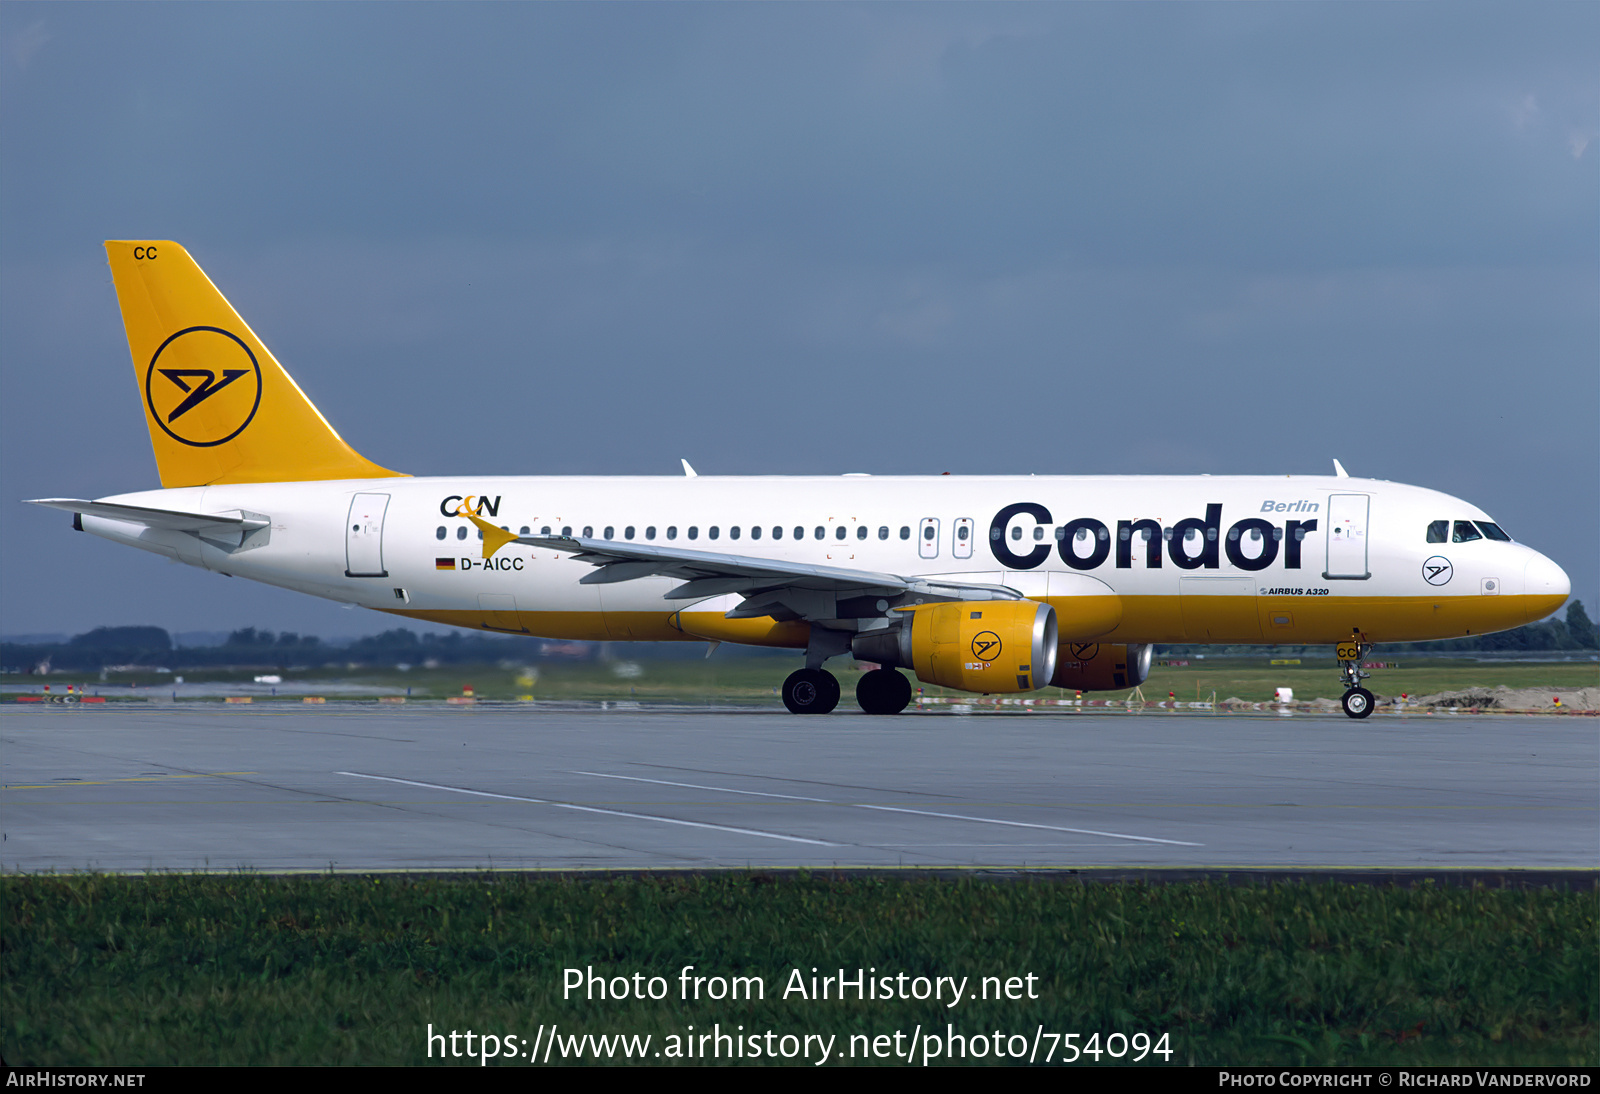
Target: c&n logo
203,386
476,504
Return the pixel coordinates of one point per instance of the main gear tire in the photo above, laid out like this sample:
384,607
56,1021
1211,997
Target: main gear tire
811,691
883,691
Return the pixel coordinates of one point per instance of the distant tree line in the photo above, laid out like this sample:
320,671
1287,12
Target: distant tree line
152,647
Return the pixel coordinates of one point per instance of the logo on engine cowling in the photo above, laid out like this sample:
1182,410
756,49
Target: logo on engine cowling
986,646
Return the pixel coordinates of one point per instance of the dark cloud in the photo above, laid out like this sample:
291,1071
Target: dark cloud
1112,238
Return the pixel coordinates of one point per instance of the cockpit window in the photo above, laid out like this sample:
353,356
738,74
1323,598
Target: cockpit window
1465,532
1493,531
1439,532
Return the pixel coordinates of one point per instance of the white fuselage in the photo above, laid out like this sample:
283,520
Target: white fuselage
1286,559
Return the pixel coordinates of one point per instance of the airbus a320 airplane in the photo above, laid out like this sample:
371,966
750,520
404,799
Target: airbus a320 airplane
983,584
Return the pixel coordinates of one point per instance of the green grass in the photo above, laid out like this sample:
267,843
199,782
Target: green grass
253,970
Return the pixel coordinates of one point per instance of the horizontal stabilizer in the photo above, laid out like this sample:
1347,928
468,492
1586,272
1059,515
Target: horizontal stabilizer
170,519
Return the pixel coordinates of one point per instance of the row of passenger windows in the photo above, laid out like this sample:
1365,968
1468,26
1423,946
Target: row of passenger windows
930,532
1465,531
693,532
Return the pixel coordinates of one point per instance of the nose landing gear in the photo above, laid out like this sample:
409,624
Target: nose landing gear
1357,700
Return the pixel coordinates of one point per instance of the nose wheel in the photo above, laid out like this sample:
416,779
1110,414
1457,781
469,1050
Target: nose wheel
1357,701
811,691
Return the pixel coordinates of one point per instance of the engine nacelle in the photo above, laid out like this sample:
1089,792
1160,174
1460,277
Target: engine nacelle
1091,666
987,646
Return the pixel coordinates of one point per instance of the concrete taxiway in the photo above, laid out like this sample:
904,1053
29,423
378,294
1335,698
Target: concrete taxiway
362,788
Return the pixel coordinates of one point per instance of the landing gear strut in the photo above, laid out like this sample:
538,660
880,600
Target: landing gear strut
1357,700
811,691
883,691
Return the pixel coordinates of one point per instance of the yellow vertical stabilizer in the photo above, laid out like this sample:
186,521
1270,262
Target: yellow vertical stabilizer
219,406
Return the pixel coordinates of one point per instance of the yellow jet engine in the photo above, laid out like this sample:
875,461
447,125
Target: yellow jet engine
987,646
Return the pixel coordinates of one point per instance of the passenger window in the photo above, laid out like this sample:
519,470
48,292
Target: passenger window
821,531
799,532
1038,532
650,532
1081,535
777,531
715,532
1465,532
588,531
861,531
905,531
1016,533
609,531
524,530
480,534
928,533
461,533
627,533
440,534
733,533
883,532
672,531
1493,531
694,531
545,531
961,532
566,529
838,533
755,531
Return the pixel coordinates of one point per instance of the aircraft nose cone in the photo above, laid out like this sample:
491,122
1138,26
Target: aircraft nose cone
1546,586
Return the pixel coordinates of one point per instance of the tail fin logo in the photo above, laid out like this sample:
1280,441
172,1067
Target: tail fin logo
203,386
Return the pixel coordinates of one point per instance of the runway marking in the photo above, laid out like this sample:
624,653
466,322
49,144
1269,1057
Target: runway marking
698,786
791,779
1026,824
895,809
133,779
592,809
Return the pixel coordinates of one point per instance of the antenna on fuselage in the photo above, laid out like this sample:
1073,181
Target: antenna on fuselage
1338,469
687,470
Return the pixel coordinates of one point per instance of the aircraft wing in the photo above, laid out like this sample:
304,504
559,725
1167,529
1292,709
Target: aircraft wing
769,586
170,519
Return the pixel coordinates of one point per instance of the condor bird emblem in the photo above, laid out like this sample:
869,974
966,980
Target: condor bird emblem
203,386
1437,570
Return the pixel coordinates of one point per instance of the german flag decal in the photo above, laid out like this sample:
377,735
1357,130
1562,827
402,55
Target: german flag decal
444,564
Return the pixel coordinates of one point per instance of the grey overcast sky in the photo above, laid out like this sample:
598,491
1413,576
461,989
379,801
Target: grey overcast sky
812,238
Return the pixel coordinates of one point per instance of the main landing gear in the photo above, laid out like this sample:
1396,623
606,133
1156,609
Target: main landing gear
883,691
816,691
811,691
1357,700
